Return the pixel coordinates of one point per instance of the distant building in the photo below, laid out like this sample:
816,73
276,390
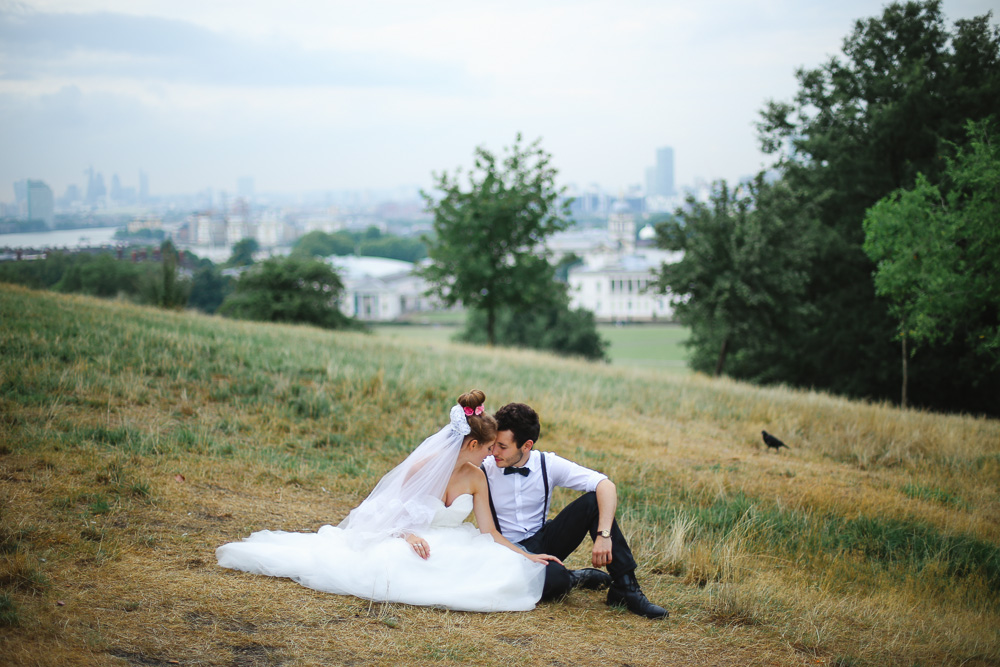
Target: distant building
245,188
615,279
660,178
621,290
621,227
96,192
21,198
141,222
377,289
41,203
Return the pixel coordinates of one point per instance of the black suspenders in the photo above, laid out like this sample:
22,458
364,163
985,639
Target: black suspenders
545,481
545,501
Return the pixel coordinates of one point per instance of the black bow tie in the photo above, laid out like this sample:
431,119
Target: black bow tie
511,470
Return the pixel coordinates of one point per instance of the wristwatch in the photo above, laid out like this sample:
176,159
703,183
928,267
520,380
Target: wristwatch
604,533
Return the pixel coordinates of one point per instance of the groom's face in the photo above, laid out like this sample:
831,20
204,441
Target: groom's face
506,452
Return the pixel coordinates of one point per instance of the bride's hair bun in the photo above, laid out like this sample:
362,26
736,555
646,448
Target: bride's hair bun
484,426
472,399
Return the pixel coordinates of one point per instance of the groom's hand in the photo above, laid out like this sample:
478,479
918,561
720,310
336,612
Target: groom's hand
601,555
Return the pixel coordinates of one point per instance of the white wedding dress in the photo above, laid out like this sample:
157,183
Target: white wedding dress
466,570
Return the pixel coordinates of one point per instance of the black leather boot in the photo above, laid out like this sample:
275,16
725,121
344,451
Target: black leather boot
625,592
591,579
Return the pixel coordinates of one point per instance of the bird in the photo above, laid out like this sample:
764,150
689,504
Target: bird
773,442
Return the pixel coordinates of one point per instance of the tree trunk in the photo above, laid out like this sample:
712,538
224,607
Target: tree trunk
902,400
491,326
722,357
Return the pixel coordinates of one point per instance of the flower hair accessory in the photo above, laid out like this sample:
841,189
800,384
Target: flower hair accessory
469,411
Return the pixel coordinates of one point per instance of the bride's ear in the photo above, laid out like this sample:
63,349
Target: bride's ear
472,444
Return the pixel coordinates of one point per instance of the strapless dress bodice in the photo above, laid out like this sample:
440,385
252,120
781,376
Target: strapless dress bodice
454,514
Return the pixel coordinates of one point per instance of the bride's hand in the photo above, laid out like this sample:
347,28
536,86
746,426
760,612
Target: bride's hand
543,559
420,546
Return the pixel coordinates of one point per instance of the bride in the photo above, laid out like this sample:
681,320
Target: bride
408,541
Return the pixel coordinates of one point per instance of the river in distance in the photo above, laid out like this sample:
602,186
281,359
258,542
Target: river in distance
61,238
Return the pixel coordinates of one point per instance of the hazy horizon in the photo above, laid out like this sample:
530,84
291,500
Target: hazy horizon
316,96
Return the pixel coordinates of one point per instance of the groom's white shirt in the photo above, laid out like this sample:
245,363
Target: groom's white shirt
520,501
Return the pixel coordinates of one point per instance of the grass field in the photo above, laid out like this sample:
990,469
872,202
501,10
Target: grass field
134,441
641,345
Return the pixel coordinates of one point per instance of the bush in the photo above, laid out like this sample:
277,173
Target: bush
288,289
554,327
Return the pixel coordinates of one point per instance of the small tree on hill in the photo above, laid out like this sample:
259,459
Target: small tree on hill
488,246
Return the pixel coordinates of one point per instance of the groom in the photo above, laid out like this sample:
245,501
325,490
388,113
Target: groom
521,480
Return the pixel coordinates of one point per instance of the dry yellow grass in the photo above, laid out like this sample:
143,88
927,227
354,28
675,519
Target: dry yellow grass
133,442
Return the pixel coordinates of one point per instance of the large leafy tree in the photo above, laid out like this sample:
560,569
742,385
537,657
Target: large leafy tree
288,289
488,247
860,127
740,281
937,251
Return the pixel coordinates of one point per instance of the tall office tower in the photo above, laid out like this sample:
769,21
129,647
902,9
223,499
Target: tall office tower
244,188
41,204
143,187
663,181
116,189
21,198
96,192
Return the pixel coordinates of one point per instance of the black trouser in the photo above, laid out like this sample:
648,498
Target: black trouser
563,534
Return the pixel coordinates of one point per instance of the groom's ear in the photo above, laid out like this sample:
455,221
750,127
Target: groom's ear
528,444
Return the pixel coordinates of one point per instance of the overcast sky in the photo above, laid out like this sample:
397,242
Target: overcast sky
307,95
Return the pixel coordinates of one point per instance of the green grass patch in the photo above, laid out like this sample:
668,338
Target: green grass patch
934,494
905,547
647,345
9,613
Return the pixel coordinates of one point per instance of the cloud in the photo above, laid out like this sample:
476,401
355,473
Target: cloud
35,46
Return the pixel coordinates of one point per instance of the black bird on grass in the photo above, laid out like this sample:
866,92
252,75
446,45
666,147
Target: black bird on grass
772,442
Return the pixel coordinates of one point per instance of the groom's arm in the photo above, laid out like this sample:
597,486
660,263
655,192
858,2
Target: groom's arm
574,476
607,505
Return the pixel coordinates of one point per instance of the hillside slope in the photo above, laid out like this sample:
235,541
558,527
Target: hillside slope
134,441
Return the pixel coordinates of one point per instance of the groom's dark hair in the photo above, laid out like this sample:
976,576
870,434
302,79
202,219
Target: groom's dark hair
520,420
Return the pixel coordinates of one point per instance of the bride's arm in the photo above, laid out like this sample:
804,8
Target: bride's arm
481,508
419,545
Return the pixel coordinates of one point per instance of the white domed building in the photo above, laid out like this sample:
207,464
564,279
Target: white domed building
617,282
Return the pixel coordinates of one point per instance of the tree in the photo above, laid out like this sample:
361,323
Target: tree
742,276
321,244
243,252
860,127
937,252
209,287
288,289
394,247
166,290
488,246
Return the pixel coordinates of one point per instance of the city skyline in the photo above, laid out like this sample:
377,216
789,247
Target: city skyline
322,97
